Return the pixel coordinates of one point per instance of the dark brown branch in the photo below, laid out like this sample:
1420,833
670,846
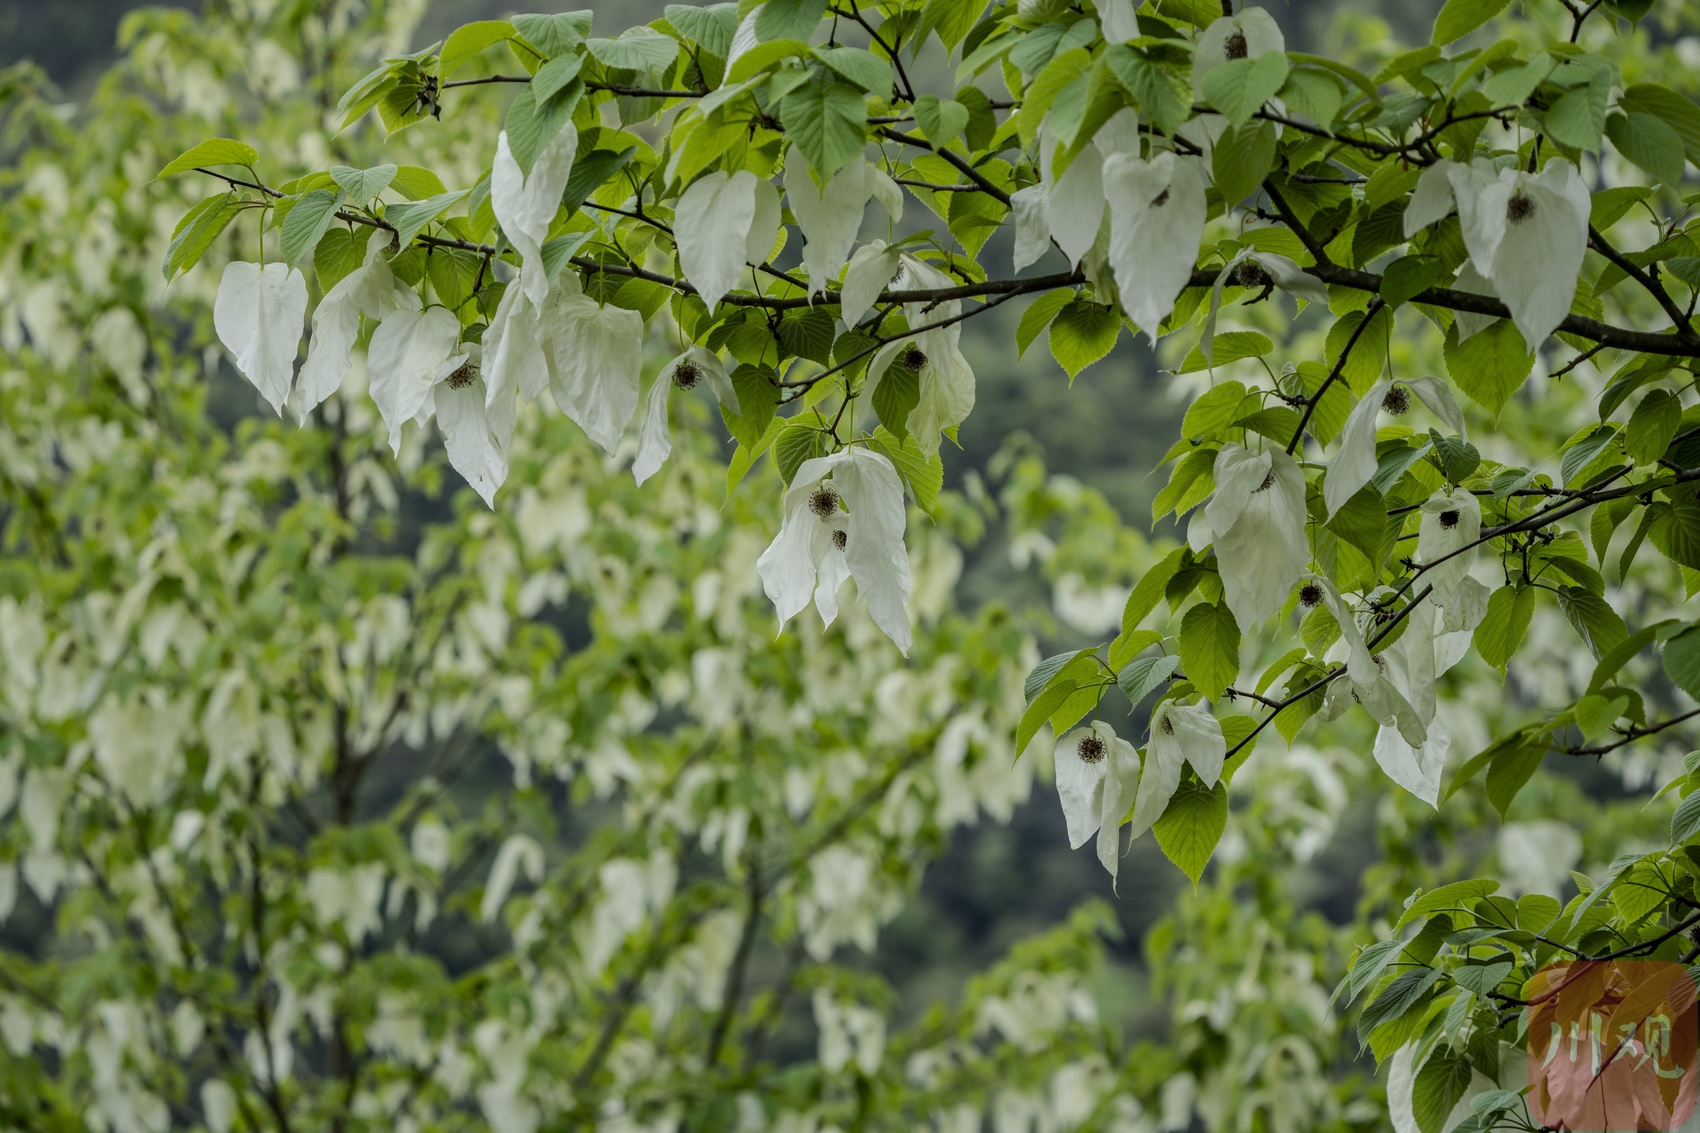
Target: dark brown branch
1630,736
1375,305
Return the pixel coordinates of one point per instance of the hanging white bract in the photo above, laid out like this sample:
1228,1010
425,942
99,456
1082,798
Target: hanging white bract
258,316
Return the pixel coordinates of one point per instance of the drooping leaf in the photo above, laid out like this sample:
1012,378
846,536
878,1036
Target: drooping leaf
213,151
1082,333
1192,825
1210,648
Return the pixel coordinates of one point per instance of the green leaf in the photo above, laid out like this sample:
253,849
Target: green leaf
213,151
1685,823
637,49
339,252
1045,671
531,125
1599,625
711,27
788,19
1444,1077
1455,895
1240,88
452,272
1038,713
416,184
1243,157
1675,110
466,42
1192,825
758,397
553,76
590,172
1149,590
867,71
1229,346
1398,997
744,457
364,95
1407,277
1505,623
807,332
1482,978
1363,522
795,444
951,19
362,185
1510,769
1676,530
194,234
554,34
942,121
828,121
307,221
1648,142
410,219
1579,117
1139,678
1215,410
1038,316
923,475
1682,661
1082,333
1458,18
1315,94
1458,457
1160,95
1490,365
1578,456
1210,648
896,396
1652,426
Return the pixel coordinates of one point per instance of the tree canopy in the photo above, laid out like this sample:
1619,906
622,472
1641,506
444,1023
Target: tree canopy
346,798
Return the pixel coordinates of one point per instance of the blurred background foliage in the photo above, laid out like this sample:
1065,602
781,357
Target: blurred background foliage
1077,462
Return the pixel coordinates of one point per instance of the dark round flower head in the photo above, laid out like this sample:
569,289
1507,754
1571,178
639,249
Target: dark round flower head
463,376
840,539
1235,47
1251,274
1168,726
1310,595
823,501
1397,401
1268,482
687,374
914,358
1449,518
1520,207
1090,749
1160,199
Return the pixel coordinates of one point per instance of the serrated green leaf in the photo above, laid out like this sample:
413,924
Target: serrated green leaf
1149,590
1141,677
468,41
1159,94
1239,88
1192,825
1458,18
1650,143
362,185
556,33
896,396
339,252
1502,629
213,151
1441,1082
637,49
1243,157
1210,648
410,219
1082,333
866,70
795,444
942,121
307,221
923,475
194,234
711,27
828,121
1038,316
1652,426
532,125
1490,365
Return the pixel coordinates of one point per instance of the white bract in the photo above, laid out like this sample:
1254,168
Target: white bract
695,366
515,365
405,360
720,223
1074,198
1257,521
459,400
594,352
257,315
1096,772
934,355
831,215
1157,213
870,272
1032,225
1526,234
525,203
1180,734
1252,268
1250,34
1451,524
1354,465
843,518
371,290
